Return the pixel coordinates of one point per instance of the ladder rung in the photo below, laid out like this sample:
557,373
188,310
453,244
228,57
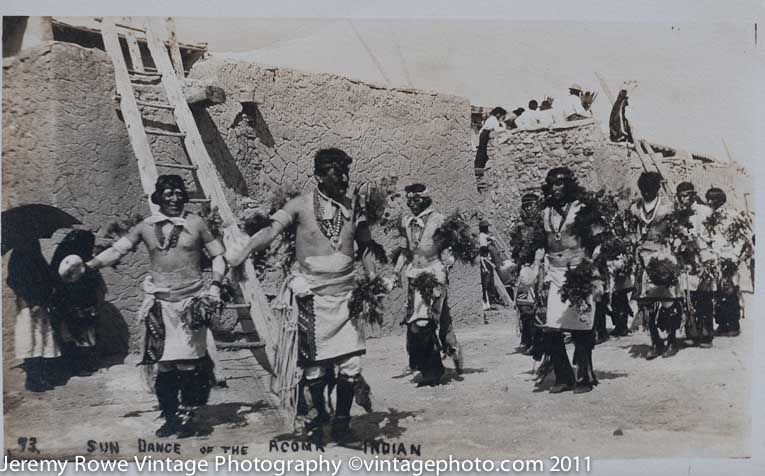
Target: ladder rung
122,25
142,80
160,132
238,306
158,105
145,73
172,165
199,200
240,345
154,70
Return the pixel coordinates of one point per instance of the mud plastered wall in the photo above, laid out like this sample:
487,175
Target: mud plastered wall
396,137
520,160
65,146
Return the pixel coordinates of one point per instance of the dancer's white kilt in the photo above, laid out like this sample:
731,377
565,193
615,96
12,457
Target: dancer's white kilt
562,315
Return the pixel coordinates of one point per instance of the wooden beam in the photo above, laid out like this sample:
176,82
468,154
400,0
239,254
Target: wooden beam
204,94
194,95
130,111
207,175
606,89
201,47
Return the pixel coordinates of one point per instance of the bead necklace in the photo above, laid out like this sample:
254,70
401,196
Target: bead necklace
330,228
171,241
563,219
417,231
647,217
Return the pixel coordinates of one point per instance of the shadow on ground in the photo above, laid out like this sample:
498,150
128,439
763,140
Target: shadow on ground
364,428
450,375
230,414
638,351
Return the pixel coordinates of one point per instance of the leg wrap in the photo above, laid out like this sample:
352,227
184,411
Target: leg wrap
361,392
316,390
525,322
425,351
600,317
653,328
345,388
412,348
620,307
167,387
195,387
538,343
584,342
556,348
728,310
703,304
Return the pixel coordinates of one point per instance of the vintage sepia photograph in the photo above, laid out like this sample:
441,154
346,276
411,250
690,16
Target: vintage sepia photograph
411,238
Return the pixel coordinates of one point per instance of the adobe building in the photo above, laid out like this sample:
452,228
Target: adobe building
65,144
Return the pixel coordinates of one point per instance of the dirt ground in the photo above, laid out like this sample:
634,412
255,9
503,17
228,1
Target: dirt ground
696,403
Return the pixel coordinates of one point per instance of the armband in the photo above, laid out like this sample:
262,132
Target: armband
123,245
214,248
282,218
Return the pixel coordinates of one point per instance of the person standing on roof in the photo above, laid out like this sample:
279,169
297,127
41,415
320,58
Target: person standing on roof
619,126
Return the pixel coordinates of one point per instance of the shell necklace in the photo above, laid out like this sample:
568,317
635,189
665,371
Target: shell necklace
563,218
332,227
166,243
646,216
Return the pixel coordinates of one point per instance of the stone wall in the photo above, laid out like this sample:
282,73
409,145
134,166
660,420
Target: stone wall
267,141
520,160
65,146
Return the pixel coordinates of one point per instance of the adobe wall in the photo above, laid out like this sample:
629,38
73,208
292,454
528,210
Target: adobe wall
64,144
520,160
395,136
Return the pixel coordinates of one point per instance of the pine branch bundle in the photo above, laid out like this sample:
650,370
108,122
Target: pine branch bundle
578,285
525,239
366,300
426,284
663,272
454,233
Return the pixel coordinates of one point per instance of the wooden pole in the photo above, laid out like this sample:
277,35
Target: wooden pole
606,89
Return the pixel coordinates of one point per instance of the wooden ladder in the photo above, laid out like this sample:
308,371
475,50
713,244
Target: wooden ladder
254,313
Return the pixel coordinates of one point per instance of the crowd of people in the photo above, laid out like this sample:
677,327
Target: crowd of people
574,259
579,257
575,106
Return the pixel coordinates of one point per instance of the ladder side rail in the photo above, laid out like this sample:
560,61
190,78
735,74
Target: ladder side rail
207,175
130,112
175,51
652,153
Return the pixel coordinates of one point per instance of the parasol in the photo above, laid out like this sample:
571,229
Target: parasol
25,223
